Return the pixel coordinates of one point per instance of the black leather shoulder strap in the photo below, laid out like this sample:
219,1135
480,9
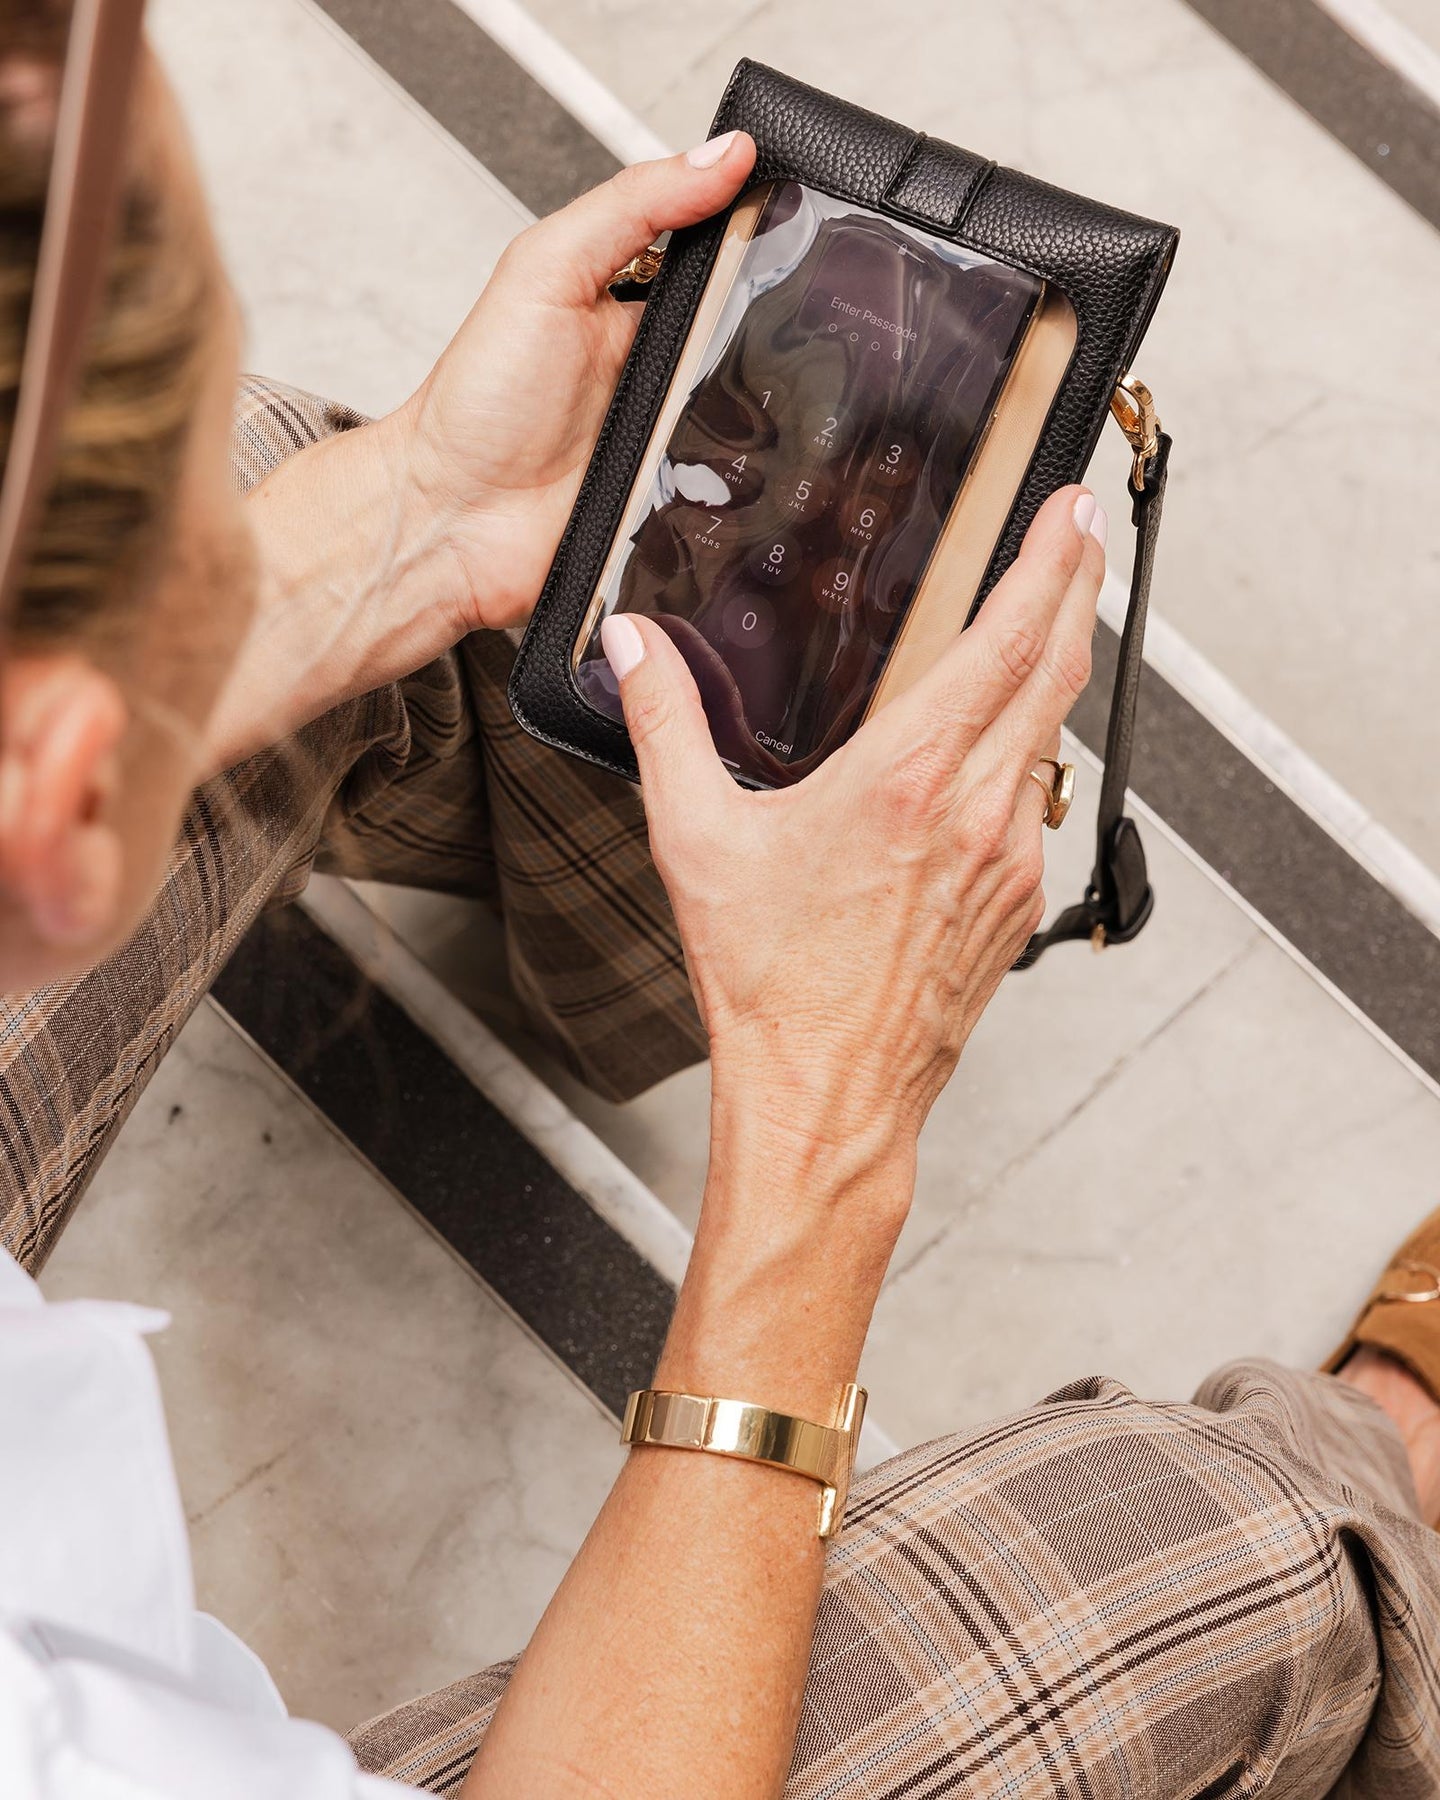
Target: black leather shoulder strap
1119,899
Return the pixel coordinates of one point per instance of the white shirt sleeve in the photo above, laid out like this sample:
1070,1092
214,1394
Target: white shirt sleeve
112,1686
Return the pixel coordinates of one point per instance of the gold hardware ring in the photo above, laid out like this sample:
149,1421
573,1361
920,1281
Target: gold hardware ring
1059,790
641,270
1134,408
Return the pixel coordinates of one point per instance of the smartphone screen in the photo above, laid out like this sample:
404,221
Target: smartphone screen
840,395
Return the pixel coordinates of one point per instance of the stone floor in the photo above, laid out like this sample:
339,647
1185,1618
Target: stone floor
1147,1162
384,1475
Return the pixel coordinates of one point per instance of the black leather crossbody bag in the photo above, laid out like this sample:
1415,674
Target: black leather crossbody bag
848,396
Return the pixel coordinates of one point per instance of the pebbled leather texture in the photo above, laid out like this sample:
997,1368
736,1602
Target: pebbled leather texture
1111,264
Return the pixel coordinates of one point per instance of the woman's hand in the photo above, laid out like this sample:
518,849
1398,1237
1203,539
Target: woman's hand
501,431
844,935
380,548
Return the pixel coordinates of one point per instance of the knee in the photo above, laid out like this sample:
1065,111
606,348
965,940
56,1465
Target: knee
1100,1583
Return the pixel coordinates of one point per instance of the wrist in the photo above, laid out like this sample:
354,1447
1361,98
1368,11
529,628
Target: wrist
790,1253
778,1322
838,1156
358,585
431,517
387,547
355,500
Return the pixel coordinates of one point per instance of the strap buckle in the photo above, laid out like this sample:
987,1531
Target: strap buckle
640,271
1133,405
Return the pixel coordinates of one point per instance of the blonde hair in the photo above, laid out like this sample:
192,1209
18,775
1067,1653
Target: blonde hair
125,431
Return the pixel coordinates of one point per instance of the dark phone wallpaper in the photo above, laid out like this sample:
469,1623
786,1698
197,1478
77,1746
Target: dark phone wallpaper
807,480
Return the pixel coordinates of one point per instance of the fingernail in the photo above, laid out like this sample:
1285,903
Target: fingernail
1100,526
706,155
622,643
1084,513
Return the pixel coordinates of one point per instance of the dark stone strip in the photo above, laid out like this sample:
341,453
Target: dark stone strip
1273,853
481,95
417,1118
1361,100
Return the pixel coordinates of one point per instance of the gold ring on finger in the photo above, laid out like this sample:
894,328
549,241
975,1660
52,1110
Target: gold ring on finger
1058,788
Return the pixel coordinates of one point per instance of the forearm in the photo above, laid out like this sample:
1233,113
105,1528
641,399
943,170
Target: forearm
357,585
673,1658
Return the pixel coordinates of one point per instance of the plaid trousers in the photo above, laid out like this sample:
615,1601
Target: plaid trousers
1100,1597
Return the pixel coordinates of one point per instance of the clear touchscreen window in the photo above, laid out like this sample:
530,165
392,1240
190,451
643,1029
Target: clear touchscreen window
828,424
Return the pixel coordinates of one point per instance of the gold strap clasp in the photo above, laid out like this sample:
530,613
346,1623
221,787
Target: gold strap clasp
641,270
1134,408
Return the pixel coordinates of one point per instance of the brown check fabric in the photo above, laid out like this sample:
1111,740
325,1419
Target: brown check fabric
428,782
1103,1599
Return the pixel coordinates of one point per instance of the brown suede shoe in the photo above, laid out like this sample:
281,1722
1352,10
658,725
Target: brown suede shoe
1402,1315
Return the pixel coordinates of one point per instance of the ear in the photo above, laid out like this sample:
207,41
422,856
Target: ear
61,722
